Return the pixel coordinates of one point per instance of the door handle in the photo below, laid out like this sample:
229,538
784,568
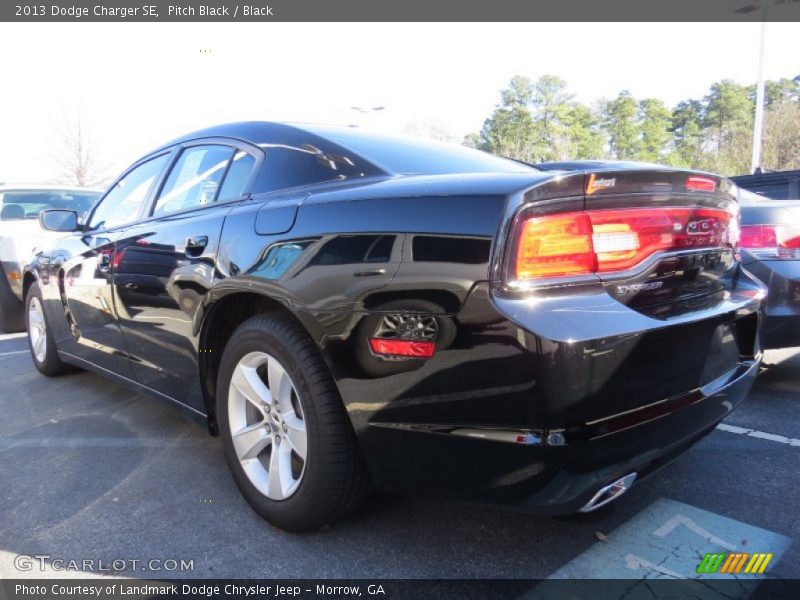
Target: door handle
195,244
370,273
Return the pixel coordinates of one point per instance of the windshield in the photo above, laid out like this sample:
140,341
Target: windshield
27,204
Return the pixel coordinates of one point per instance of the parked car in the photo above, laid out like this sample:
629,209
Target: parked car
348,309
778,185
21,235
771,251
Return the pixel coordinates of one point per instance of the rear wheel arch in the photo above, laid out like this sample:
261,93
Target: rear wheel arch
220,320
449,302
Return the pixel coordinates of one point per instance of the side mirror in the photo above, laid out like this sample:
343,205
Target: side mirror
58,219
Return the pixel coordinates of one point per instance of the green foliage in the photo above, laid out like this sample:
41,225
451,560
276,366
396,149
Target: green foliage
654,123
586,138
621,125
540,121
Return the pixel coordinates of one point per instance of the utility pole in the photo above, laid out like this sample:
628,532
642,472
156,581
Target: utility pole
755,163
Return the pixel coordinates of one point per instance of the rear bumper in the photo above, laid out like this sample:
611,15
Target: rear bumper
538,406
546,479
580,469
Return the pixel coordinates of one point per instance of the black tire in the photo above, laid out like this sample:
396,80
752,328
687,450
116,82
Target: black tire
378,367
52,365
12,310
335,480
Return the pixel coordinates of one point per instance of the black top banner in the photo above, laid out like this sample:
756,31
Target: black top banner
401,10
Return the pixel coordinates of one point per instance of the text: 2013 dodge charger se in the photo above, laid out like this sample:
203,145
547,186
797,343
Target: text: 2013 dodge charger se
347,310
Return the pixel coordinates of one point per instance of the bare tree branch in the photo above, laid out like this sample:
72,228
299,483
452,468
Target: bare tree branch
75,154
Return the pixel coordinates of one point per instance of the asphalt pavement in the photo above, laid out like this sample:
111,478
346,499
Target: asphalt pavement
90,471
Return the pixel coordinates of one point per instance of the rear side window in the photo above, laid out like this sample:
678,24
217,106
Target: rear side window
121,205
429,248
237,176
194,180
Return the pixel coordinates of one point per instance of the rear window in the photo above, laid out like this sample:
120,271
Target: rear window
408,156
27,204
777,190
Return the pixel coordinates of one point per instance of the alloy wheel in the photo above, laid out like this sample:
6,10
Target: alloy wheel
267,425
37,330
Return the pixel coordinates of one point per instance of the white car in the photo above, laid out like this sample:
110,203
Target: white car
21,237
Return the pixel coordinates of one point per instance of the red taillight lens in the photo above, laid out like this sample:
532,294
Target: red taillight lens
408,348
759,236
605,241
773,241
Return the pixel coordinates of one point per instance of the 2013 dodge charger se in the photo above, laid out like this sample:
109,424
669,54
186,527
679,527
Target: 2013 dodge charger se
349,310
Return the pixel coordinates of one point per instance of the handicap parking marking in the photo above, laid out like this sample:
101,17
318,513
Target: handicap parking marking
670,540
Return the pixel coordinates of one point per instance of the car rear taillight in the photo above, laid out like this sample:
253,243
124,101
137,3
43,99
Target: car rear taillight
772,241
700,184
608,241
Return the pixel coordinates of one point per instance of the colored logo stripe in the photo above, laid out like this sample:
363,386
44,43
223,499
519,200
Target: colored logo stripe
734,562
710,563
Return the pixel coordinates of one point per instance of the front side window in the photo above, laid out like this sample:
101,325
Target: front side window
121,205
194,180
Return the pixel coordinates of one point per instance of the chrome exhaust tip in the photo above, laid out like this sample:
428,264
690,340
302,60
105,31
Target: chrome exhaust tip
610,492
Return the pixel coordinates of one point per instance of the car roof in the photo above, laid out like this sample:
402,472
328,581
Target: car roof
751,199
357,143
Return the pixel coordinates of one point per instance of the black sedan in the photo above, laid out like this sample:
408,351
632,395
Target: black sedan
770,243
349,310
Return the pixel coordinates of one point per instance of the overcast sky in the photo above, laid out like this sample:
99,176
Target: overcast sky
138,85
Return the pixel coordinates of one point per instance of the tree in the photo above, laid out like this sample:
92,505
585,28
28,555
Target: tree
551,108
620,123
586,140
76,154
729,111
432,130
781,91
782,137
509,131
654,123
687,131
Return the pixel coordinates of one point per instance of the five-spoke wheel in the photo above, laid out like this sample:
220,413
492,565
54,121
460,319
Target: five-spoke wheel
267,426
288,442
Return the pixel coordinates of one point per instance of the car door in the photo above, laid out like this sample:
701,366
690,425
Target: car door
166,264
85,277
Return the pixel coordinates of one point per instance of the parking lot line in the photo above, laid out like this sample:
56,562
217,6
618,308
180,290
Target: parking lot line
14,352
13,443
772,437
12,336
